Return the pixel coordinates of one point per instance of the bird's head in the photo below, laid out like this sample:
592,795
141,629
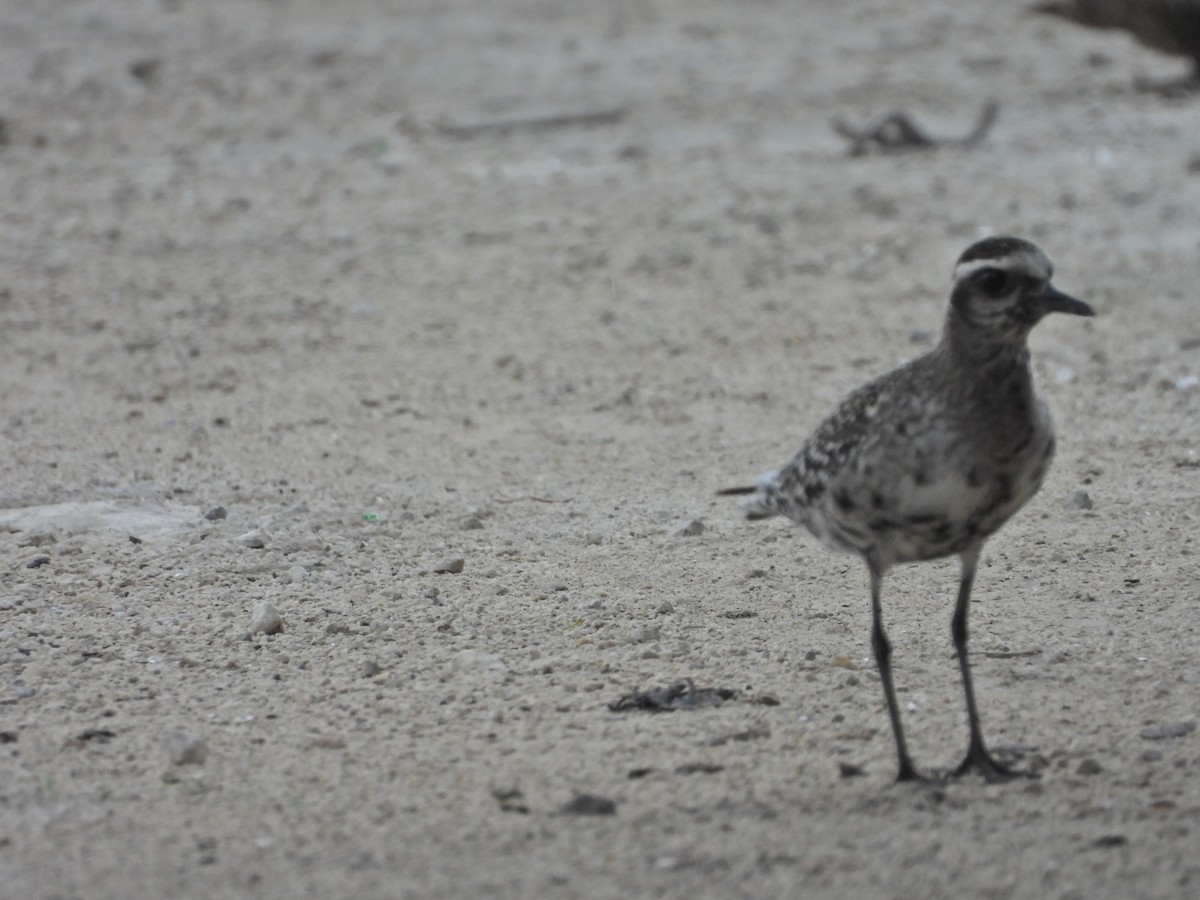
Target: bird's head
1002,289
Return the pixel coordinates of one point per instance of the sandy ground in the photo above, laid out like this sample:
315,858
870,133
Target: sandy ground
330,268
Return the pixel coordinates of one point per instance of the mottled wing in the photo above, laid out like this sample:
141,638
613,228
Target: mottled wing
832,448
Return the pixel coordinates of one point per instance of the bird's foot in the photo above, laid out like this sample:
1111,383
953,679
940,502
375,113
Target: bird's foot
909,775
980,761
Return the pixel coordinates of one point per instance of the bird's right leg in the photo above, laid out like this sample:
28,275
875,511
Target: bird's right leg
883,659
978,758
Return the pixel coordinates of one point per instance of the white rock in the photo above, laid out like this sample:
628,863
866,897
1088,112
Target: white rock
255,540
645,634
266,619
295,574
451,565
185,748
688,529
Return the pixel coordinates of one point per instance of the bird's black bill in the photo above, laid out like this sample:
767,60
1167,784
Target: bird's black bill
1054,300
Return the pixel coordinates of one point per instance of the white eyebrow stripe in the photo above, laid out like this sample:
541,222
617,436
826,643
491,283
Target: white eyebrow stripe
1025,262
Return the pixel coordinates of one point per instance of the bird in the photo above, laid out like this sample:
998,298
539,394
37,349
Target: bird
932,458
1172,26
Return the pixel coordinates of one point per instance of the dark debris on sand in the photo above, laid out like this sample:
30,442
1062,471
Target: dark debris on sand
681,695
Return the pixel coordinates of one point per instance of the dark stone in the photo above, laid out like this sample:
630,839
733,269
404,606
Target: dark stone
589,805
699,769
1162,732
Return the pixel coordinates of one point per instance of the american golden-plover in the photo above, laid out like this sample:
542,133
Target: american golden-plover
932,458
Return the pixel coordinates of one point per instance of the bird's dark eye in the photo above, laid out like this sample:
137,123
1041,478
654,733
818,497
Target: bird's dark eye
992,282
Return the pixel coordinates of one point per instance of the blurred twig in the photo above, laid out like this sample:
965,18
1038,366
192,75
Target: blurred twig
588,119
898,131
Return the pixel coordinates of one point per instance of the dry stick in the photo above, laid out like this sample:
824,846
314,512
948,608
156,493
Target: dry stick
898,131
532,123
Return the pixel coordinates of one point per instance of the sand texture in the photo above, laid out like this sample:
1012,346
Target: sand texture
369,372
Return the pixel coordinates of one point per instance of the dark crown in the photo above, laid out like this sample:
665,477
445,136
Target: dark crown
997,248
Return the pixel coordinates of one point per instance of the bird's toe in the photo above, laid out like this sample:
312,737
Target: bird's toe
993,772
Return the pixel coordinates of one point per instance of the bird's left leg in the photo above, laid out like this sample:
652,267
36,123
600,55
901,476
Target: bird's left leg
978,758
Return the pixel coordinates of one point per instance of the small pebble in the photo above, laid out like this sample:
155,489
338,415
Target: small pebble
37,562
370,668
842,662
471,523
451,565
254,540
589,805
1089,767
431,593
266,619
185,749
665,607
645,634
689,529
921,336
1187,383
216,514
296,574
510,800
1081,500
1162,732
146,70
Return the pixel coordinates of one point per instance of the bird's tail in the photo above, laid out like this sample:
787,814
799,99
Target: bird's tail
758,503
